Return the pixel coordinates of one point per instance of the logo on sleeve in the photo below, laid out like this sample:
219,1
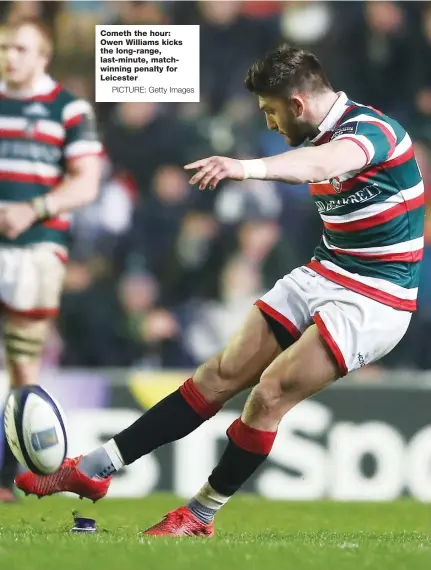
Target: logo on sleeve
336,184
347,129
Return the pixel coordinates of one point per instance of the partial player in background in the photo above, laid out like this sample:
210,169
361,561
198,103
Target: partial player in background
49,165
348,307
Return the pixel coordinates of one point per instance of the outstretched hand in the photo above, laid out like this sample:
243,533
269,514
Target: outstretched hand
213,169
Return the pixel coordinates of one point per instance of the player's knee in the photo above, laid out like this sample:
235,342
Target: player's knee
276,388
266,396
216,380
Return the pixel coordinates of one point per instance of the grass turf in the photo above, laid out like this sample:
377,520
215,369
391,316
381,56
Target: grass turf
251,534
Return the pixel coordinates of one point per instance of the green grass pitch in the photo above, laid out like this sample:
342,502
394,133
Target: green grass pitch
251,534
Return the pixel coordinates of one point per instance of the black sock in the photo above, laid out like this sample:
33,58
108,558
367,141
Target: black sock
172,418
234,468
9,468
246,450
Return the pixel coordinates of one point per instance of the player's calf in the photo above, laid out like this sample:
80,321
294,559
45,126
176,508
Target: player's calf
219,380
196,401
172,418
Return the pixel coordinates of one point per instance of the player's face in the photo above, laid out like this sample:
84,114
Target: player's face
286,118
22,56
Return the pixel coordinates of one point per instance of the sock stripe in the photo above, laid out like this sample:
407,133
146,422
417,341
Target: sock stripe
197,401
251,439
201,512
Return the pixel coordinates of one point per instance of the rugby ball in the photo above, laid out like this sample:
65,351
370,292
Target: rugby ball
35,429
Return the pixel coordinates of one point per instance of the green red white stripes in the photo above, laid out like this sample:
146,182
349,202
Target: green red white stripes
39,135
374,218
45,131
32,172
385,292
411,250
377,213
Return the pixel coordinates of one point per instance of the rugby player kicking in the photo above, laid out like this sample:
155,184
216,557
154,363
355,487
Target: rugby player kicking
49,165
348,307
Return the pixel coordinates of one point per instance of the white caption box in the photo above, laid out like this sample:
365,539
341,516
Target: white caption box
147,63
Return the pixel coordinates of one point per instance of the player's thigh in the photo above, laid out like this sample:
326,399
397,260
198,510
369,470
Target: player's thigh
302,370
358,330
241,363
287,304
277,320
31,280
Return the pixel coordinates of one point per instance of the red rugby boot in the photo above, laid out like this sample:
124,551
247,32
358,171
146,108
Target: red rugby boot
67,478
181,522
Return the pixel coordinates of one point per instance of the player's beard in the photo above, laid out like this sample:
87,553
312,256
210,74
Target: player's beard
298,132
295,134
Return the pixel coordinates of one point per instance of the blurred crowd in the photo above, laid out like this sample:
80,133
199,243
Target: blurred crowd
161,274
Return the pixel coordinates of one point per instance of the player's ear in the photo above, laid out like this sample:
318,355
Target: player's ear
297,106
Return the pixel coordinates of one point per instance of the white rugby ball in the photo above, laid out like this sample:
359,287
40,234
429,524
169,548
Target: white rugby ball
35,429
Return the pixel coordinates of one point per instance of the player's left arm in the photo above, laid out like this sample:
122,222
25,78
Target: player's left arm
353,147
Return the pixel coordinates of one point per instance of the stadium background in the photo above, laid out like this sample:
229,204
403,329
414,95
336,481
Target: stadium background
161,274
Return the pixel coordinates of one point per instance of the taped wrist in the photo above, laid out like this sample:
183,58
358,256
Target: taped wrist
254,169
43,207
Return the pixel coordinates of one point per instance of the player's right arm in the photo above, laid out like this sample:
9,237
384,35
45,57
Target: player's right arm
365,144
310,164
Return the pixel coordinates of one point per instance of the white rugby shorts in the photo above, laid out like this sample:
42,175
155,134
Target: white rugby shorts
357,329
31,279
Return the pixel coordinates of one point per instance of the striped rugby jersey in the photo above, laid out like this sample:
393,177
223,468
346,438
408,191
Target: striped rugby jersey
39,134
373,219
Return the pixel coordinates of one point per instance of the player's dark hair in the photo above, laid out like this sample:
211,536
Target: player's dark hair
41,26
286,70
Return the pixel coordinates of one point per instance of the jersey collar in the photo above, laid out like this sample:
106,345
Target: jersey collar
335,112
42,86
